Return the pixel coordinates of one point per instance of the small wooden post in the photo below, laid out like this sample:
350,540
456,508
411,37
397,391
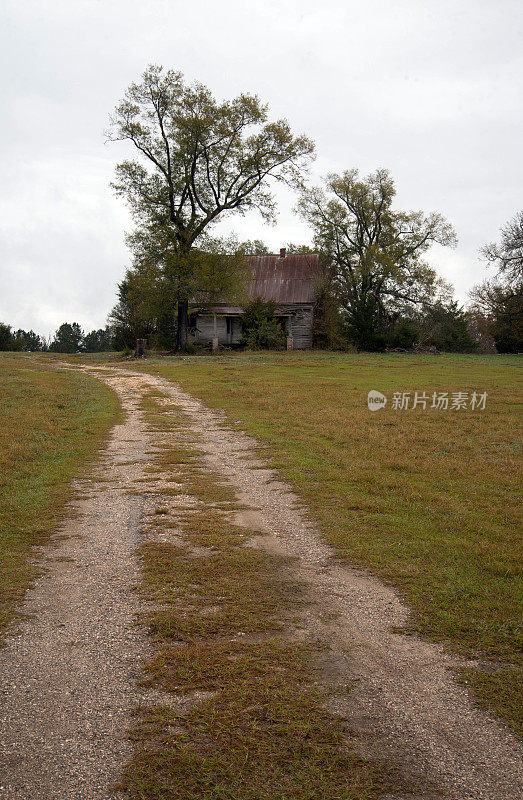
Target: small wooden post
214,344
290,343
141,348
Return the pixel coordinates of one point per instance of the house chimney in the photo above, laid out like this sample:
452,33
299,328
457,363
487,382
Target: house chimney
283,252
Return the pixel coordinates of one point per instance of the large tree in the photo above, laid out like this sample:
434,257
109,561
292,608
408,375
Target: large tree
198,160
499,300
375,251
507,255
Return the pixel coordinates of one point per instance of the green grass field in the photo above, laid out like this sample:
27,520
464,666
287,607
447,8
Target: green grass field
51,424
427,499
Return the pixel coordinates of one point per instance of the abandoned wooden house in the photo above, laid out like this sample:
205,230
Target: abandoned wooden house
288,280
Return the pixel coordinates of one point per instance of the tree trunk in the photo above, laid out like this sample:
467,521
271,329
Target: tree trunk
183,326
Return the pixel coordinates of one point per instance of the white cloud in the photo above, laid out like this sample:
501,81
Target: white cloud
429,90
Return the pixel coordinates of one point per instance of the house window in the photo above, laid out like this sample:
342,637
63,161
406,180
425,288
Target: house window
229,322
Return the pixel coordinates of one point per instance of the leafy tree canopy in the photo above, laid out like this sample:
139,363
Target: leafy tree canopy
20,339
499,301
500,304
445,326
375,251
127,320
97,341
67,339
255,247
29,341
507,255
6,337
160,272
198,160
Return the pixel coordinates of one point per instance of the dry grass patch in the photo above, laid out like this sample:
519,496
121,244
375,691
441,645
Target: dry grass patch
196,666
269,740
51,424
169,455
234,590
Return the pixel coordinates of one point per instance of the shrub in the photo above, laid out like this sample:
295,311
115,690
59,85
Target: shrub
405,334
260,328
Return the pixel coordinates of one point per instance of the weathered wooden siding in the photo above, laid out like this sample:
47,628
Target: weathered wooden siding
205,330
299,326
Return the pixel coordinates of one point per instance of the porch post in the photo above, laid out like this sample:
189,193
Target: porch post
290,340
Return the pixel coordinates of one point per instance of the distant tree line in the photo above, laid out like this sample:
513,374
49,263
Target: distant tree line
69,338
125,326
21,340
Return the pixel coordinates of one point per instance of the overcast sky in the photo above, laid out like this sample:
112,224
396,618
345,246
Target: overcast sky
430,89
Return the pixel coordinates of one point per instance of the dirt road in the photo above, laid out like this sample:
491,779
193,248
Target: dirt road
68,672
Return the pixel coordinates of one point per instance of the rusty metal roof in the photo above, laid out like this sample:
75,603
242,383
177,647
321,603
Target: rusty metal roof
284,280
